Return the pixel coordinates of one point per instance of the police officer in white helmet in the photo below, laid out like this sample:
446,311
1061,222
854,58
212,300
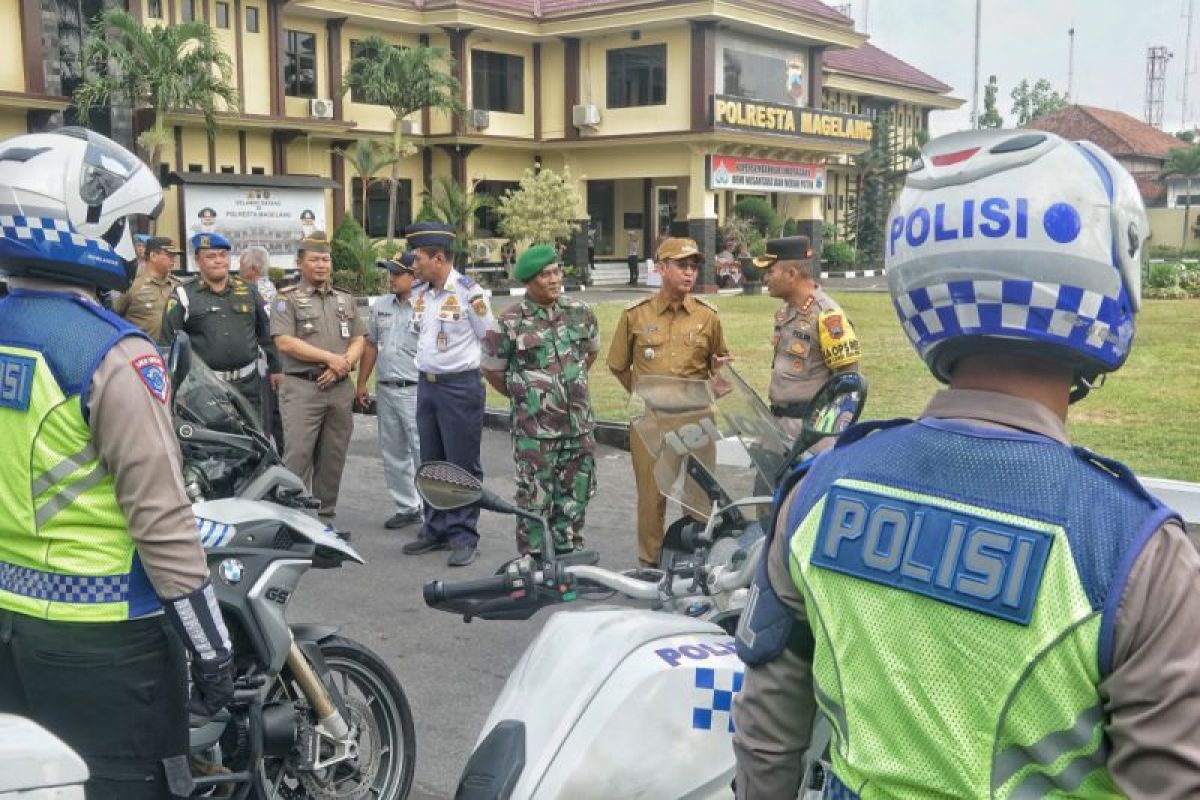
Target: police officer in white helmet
978,608
97,538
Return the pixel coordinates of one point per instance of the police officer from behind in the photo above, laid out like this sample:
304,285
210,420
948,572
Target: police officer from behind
97,537
450,315
391,344
226,320
979,608
813,338
146,300
669,333
320,338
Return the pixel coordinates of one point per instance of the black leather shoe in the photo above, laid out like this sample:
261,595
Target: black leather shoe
423,546
403,519
462,556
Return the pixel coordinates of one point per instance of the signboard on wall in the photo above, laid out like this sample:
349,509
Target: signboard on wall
735,113
275,218
761,175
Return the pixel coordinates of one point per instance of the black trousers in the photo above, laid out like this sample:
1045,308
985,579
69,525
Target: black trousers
633,270
115,692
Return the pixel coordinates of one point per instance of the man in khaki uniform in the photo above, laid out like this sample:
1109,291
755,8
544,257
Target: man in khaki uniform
146,300
319,336
670,334
813,338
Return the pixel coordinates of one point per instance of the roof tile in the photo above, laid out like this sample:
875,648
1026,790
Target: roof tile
1117,133
869,61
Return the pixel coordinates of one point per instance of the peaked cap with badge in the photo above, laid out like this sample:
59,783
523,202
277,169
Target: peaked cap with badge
786,248
430,234
209,241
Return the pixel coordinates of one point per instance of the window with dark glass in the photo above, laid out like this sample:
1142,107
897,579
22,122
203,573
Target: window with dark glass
222,15
637,76
762,77
252,19
187,10
300,64
497,82
487,221
154,9
377,205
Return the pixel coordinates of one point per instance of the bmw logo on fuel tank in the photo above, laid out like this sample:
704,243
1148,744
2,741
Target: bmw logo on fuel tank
231,571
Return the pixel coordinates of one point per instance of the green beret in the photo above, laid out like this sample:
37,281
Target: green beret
533,261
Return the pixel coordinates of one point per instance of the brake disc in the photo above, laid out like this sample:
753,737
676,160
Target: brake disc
353,779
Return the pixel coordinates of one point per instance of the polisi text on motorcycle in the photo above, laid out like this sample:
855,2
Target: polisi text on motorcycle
991,217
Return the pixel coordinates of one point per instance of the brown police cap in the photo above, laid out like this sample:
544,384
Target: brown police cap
678,250
162,243
315,242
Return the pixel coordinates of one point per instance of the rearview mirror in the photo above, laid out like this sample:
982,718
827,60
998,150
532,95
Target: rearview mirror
445,486
836,406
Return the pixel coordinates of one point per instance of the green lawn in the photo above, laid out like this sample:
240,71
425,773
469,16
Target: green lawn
1147,415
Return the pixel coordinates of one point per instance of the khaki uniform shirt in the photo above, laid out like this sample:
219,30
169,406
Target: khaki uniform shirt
145,302
326,318
1151,696
799,365
655,338
135,438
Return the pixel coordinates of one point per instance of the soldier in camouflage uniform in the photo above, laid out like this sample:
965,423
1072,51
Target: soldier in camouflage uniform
539,356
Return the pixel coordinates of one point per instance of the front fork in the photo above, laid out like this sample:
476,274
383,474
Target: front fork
332,722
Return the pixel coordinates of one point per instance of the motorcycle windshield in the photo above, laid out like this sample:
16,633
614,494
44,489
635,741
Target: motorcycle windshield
206,400
708,439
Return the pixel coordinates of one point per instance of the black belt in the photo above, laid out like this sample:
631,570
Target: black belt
310,376
448,377
396,384
791,410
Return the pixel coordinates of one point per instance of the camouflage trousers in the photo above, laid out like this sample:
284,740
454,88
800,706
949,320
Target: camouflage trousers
555,478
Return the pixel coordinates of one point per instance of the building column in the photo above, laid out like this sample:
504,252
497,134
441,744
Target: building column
704,66
333,47
702,219
338,173
34,52
816,77
276,43
458,50
570,86
810,214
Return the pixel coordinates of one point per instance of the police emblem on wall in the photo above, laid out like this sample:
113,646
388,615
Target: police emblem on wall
153,373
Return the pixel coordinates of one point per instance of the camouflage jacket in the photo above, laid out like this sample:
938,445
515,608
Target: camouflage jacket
543,354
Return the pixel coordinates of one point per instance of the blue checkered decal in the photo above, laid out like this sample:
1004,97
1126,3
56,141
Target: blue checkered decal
213,534
836,790
1050,312
59,588
716,701
54,239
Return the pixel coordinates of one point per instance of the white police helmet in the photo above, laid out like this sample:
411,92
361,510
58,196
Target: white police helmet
66,197
1017,241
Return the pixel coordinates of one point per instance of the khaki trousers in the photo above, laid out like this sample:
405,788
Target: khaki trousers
317,424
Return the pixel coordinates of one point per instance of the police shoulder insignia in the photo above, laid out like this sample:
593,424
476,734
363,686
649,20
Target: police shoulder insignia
281,305
479,305
839,344
630,306
706,303
153,373
172,303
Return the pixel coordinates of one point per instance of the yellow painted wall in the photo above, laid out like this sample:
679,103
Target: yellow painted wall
441,166
553,90
439,122
195,149
256,68
500,123
12,66
309,156
370,118
228,151
625,160
1166,226
12,123
299,106
675,115
168,221
498,164
258,151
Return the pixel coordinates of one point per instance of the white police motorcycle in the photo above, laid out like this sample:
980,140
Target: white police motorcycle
614,702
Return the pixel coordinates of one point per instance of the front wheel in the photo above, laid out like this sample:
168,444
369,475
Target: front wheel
379,712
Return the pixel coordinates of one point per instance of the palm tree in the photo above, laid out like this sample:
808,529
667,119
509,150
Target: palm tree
1184,163
456,207
406,80
162,67
367,158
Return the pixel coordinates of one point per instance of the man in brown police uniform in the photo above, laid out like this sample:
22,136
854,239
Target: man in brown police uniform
146,300
672,334
813,338
319,336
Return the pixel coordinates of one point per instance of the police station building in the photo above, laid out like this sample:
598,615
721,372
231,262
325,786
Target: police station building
666,113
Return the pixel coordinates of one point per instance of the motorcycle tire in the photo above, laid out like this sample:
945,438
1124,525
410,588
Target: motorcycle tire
366,682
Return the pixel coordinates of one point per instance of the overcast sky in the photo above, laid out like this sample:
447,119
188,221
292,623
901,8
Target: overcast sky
1028,39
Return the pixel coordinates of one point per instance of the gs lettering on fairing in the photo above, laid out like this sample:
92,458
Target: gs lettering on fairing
988,217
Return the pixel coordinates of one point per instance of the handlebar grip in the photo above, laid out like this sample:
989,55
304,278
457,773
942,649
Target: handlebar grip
437,592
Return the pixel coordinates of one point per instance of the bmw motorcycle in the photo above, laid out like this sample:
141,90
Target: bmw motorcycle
314,715
611,701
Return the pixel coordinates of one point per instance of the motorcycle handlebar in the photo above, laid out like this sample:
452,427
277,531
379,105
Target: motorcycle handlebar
438,592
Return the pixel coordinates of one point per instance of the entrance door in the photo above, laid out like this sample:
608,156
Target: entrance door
666,209
601,205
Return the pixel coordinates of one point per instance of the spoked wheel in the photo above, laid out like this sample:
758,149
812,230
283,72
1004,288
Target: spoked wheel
383,767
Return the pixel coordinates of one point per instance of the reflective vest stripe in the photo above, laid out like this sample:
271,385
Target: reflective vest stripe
1046,751
62,469
59,588
61,500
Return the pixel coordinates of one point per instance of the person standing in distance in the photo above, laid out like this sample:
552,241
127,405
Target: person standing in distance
391,344
320,338
226,320
538,356
669,333
103,584
146,300
450,316
979,608
813,338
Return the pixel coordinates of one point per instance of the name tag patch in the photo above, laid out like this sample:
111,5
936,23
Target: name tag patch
16,381
956,557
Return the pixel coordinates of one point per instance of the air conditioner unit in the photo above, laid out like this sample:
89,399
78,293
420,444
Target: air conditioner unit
486,251
410,127
321,108
585,116
481,118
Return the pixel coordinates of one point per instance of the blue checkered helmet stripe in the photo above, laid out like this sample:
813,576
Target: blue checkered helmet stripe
59,588
1056,314
53,239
